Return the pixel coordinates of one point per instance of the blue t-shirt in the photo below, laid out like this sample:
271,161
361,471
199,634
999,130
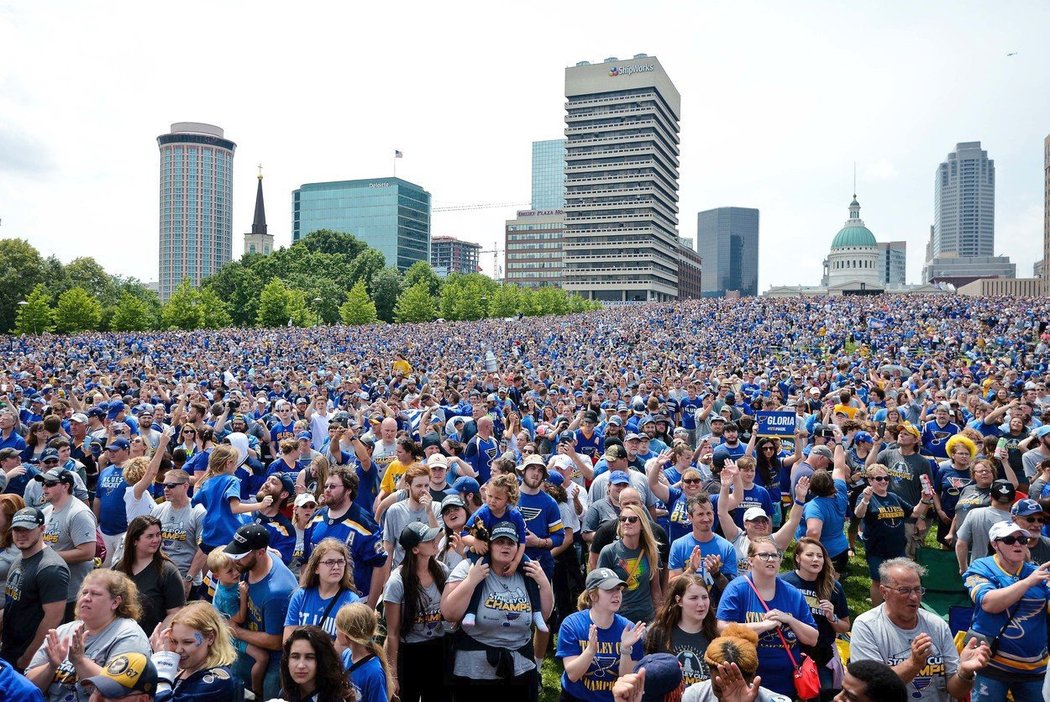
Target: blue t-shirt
512,515
281,431
17,486
479,454
949,483
739,603
543,518
113,513
884,525
682,549
935,438
282,534
366,678
592,447
596,684
362,536
832,512
268,602
307,607
678,520
221,523
1022,646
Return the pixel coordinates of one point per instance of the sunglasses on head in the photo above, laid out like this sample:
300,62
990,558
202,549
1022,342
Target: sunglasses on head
628,520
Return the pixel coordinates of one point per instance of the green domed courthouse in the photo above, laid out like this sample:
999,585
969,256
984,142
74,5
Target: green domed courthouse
854,257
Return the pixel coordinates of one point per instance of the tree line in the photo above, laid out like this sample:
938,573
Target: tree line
326,277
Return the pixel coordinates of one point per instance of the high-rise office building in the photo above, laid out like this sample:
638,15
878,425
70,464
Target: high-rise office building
533,245
1044,265
258,240
548,174
451,255
727,240
389,214
893,261
962,245
621,181
196,201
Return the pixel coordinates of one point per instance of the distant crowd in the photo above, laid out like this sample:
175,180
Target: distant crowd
666,498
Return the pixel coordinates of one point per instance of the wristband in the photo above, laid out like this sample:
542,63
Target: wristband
800,504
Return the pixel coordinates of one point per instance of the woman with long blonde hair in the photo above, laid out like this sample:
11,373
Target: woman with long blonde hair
357,632
195,657
635,557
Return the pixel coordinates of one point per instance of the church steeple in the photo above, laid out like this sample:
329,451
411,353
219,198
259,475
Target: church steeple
259,223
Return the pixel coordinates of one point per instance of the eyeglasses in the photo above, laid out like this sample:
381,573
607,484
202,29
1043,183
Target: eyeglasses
628,520
691,481
905,591
879,478
1011,540
768,556
172,486
334,563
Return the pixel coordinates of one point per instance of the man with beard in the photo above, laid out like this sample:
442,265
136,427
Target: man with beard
281,487
543,527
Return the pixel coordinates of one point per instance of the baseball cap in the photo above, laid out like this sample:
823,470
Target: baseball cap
1003,490
124,675
287,482
417,533
603,579
556,478
663,674
49,454
1026,508
437,461
79,418
615,453
118,445
567,437
822,451
619,477
452,500
717,418
1000,530
632,436
27,518
465,483
1042,431
96,412
504,530
250,537
59,475
863,437
755,513
911,429
6,453
306,498
615,421
304,436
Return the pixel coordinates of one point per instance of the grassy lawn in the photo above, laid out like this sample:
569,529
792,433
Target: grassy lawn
857,586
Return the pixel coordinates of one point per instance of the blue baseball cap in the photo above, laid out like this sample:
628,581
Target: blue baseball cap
619,477
118,444
863,437
465,484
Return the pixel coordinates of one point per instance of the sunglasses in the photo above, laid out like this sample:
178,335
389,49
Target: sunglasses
691,481
172,486
189,433
1011,540
1034,520
50,483
628,520
880,479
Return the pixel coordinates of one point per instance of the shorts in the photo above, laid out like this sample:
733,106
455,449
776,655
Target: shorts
841,563
873,565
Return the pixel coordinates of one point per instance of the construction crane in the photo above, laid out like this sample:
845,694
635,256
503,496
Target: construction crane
479,206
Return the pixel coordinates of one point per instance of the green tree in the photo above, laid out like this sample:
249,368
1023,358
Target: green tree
131,314
239,285
415,304
214,312
21,270
505,301
182,310
421,271
85,272
551,300
364,267
331,242
274,303
386,286
358,308
35,317
77,311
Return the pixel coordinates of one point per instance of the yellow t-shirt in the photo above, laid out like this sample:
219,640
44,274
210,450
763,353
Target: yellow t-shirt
402,366
394,471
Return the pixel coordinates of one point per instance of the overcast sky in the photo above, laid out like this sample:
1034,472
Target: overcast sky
778,101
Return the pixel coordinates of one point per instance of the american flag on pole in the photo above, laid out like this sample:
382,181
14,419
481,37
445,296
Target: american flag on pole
398,154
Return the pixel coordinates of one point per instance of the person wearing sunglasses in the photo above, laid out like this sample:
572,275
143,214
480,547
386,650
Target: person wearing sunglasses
181,526
1010,596
635,558
884,515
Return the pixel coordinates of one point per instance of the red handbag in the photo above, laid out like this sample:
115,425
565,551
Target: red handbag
806,677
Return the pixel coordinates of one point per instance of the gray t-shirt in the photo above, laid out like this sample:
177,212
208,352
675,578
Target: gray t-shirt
504,620
974,529
636,570
904,473
703,692
395,520
1030,461
597,514
181,530
876,638
121,636
428,624
66,529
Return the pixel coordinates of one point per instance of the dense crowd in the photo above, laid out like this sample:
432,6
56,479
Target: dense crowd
665,498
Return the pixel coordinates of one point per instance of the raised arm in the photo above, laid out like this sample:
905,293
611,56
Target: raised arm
653,470
729,528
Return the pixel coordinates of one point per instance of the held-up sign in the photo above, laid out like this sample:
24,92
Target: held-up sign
775,423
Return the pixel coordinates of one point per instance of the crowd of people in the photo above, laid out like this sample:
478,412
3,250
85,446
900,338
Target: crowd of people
665,498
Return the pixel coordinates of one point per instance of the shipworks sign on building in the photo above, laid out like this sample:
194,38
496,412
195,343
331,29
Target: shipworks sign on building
639,72
616,71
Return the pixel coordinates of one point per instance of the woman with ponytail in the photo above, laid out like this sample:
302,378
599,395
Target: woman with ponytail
357,628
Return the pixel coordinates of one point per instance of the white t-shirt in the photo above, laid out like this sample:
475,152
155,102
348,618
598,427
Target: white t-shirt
140,507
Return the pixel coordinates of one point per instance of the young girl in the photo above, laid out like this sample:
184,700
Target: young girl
501,493
219,492
231,600
357,629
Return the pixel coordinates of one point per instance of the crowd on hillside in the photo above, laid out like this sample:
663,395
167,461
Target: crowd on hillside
666,498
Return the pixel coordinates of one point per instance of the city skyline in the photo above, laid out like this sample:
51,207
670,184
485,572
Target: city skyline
777,106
